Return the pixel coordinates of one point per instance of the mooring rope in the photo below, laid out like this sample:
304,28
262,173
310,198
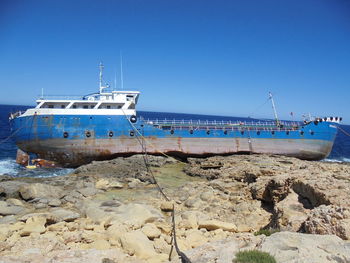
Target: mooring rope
183,257
345,132
15,132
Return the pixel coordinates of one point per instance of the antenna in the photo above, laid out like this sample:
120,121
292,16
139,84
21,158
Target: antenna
121,71
115,79
101,76
274,109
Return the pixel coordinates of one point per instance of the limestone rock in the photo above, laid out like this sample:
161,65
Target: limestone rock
4,232
195,238
250,216
289,247
151,231
207,196
189,220
88,191
326,220
34,225
54,202
14,201
137,243
161,246
136,215
167,206
38,190
7,219
6,209
58,227
61,214
222,251
105,184
100,244
216,224
115,232
134,183
54,215
290,213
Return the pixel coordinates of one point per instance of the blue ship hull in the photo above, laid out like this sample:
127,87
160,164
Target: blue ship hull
72,140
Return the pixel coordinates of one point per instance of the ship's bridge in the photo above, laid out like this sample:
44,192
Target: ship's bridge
125,100
104,102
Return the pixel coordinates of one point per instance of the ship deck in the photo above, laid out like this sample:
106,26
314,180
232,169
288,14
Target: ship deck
222,125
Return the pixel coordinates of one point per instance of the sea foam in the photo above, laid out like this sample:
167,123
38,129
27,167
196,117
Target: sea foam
9,167
337,160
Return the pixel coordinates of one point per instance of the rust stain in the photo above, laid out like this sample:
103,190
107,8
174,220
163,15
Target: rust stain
76,152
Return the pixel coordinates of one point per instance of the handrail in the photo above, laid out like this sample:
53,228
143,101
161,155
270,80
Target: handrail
218,123
237,125
63,97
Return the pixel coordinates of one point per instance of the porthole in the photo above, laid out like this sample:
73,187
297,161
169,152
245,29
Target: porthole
225,132
312,132
208,132
258,132
301,133
287,132
191,131
65,135
132,133
172,131
273,132
133,119
242,132
110,134
88,134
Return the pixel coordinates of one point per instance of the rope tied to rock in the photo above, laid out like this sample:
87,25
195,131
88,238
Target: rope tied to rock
143,141
183,257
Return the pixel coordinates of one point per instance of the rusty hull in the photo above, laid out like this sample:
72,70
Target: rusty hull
75,152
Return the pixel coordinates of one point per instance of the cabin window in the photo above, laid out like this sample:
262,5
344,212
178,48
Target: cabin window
92,106
62,106
86,106
119,107
108,106
74,106
50,106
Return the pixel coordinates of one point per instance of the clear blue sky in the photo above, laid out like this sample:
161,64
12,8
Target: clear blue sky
207,57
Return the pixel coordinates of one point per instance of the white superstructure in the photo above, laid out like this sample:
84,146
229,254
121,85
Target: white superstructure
105,102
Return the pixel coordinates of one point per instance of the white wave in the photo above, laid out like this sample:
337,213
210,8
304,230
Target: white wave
51,173
338,160
9,167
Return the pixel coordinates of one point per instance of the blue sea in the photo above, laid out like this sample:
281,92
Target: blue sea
8,166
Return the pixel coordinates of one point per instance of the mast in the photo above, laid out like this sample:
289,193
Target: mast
115,80
274,109
121,71
101,75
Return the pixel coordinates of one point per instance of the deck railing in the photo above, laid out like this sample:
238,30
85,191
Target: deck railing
222,125
60,97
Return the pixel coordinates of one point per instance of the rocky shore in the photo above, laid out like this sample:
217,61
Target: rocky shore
111,211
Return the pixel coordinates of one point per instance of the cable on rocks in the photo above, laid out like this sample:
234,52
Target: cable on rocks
143,142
